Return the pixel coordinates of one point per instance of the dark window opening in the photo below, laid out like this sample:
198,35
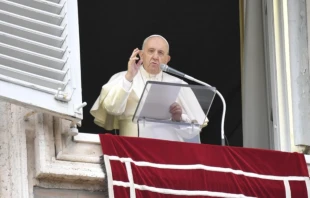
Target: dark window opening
204,43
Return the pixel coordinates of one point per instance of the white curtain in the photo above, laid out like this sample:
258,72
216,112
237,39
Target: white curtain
254,89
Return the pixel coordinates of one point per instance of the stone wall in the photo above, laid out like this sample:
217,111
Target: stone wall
36,151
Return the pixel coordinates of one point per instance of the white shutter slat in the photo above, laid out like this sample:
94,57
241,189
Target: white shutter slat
55,1
31,45
32,67
31,34
40,101
32,56
6,83
31,12
31,78
31,23
41,5
40,56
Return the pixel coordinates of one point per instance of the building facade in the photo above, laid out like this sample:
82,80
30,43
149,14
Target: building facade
41,102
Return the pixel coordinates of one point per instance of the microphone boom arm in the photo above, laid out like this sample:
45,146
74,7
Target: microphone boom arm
224,105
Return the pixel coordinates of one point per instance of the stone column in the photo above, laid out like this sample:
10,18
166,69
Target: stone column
13,152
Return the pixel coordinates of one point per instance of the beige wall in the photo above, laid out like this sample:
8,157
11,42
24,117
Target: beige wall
52,193
38,152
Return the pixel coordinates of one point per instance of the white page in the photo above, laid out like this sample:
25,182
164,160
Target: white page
158,101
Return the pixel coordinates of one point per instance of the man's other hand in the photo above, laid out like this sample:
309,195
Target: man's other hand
176,112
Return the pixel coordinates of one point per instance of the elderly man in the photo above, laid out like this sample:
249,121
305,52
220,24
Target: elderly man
118,100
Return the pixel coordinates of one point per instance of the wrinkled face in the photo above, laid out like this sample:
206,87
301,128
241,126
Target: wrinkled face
155,52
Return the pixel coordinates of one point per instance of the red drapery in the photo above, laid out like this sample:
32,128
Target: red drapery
140,167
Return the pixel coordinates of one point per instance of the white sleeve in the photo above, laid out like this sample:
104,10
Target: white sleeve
116,100
187,132
127,85
185,118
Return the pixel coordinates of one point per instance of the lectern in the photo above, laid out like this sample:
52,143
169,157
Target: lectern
154,119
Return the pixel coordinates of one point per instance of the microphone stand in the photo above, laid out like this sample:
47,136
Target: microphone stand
224,105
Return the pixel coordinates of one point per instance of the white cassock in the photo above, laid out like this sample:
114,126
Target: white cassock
118,100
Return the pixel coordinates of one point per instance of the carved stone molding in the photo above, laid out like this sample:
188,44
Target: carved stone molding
59,158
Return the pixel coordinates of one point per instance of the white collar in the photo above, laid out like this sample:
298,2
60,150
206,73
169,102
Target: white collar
148,76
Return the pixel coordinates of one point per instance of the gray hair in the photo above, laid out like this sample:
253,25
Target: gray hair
155,35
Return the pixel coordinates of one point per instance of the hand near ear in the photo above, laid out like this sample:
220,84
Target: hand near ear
133,66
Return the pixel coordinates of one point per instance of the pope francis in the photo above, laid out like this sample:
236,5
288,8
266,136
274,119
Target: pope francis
119,97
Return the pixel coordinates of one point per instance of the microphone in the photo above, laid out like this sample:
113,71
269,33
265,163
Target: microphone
168,69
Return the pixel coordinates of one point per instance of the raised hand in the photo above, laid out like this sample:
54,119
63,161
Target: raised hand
176,111
133,66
